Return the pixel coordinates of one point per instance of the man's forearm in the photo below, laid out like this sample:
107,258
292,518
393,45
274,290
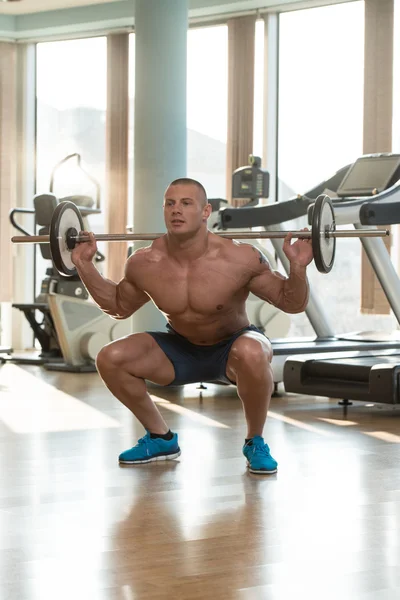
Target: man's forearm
103,291
296,290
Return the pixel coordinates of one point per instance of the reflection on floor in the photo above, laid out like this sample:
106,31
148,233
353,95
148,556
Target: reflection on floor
75,525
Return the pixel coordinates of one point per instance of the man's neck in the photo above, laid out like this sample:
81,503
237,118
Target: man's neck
188,249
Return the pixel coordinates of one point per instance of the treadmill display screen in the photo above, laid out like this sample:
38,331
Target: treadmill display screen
369,175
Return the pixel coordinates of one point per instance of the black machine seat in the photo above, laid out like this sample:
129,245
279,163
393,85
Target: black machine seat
44,205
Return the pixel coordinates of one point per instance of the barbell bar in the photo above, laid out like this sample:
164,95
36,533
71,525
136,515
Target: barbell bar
240,235
67,225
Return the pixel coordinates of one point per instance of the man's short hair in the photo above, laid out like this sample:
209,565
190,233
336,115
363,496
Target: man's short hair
189,181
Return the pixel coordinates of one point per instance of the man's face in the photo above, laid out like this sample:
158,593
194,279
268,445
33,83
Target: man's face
185,209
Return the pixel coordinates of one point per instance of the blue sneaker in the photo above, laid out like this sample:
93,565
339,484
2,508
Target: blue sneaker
259,460
151,449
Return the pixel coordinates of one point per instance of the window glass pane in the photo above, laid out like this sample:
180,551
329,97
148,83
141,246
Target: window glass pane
71,114
321,130
320,93
207,107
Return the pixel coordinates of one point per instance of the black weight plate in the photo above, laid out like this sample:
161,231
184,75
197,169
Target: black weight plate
323,221
65,216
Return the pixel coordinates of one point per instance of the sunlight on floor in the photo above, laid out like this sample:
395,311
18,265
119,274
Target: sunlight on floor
384,436
186,412
338,422
30,405
297,423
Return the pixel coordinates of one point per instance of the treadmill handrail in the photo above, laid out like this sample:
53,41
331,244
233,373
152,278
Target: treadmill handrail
382,213
262,216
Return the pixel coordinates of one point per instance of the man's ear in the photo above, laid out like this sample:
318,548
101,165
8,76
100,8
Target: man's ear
207,211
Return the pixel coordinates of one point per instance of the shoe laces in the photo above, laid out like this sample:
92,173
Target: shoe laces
260,447
145,441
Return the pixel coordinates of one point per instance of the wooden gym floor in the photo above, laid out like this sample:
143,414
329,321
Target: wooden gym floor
74,525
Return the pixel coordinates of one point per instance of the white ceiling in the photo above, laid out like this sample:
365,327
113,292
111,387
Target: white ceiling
33,6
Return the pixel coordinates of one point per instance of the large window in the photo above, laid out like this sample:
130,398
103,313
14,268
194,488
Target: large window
71,115
321,87
207,107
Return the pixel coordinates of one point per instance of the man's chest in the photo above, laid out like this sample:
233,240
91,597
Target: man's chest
204,287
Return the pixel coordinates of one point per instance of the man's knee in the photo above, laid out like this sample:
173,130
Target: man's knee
251,352
111,356
116,354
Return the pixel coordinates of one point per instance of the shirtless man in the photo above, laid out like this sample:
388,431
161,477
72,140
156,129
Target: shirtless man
200,282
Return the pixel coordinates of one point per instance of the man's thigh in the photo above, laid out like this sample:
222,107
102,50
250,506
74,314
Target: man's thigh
143,357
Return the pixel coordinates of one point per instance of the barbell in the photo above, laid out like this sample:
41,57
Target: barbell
67,225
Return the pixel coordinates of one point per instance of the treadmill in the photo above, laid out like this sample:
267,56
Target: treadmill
368,196
251,183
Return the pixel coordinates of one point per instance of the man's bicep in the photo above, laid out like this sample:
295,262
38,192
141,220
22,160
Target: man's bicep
128,289
130,297
264,282
267,285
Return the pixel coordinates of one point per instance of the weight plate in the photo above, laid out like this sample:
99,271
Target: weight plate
65,216
323,221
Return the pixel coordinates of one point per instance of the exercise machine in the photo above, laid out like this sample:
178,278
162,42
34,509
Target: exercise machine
68,326
268,217
368,195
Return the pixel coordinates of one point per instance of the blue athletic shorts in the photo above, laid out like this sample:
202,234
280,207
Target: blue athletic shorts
193,363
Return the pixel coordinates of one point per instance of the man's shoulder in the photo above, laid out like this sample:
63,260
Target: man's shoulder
245,251
151,253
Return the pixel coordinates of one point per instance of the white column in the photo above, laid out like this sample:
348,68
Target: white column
160,118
